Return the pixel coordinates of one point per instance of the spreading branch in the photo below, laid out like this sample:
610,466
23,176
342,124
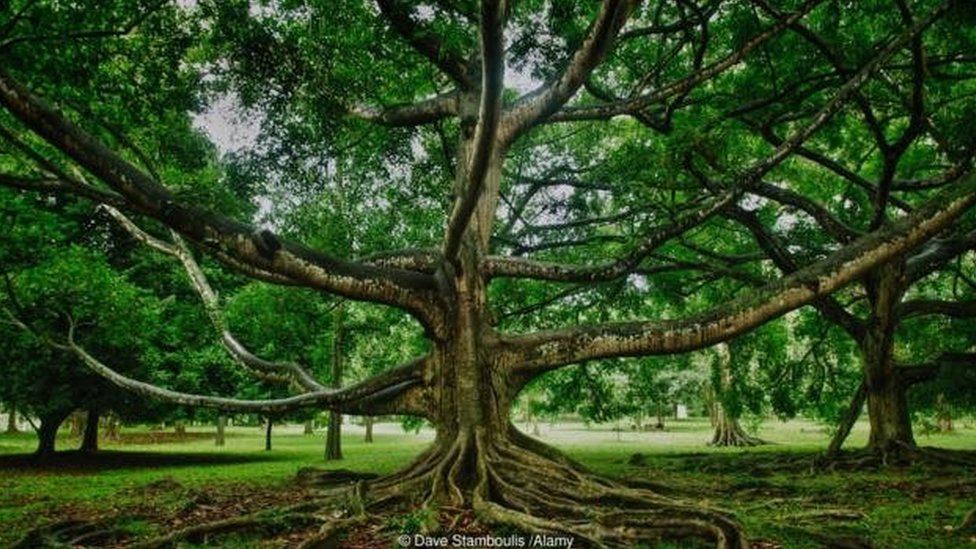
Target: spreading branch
381,394
535,353
539,104
499,266
263,250
270,371
633,105
423,112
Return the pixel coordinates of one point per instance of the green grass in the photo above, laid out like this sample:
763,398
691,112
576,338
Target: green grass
770,489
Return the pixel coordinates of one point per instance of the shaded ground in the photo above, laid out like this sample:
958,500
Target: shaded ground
783,494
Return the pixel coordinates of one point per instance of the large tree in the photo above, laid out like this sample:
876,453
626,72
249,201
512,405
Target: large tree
558,143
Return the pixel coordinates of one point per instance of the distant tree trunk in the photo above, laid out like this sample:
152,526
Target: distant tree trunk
369,429
113,425
267,435
89,441
943,414
711,403
891,427
728,430
12,419
221,430
660,417
309,427
180,427
77,418
333,437
848,421
47,432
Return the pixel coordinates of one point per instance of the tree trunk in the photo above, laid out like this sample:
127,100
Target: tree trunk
333,437
221,438
47,432
660,417
891,427
77,423
267,435
729,432
943,414
369,429
12,419
89,441
309,427
847,422
113,426
180,427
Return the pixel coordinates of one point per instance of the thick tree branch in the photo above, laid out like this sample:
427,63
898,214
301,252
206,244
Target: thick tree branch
774,248
407,290
923,307
542,102
937,253
424,260
365,397
532,354
415,114
270,371
486,146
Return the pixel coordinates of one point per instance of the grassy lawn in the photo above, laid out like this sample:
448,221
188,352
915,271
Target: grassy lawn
771,489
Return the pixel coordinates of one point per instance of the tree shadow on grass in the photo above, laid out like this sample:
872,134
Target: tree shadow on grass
107,460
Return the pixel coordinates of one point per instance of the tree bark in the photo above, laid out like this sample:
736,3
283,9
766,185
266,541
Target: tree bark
221,438
89,441
267,435
891,427
333,437
369,429
47,432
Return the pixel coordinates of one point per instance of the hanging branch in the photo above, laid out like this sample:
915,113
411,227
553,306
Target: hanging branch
546,350
270,371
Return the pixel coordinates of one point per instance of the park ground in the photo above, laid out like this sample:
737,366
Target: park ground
149,483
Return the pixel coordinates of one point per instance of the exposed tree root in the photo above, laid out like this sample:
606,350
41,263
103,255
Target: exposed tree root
529,488
269,521
729,432
473,485
894,455
72,533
